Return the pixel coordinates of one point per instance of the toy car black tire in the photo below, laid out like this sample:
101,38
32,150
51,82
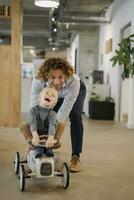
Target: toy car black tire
22,178
65,175
16,162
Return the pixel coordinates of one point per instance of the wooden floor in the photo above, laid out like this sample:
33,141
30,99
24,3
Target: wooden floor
107,166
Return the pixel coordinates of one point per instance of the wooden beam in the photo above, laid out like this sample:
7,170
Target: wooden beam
5,61
15,72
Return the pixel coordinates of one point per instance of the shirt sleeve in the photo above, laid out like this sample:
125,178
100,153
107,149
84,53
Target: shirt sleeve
69,100
32,120
36,88
52,123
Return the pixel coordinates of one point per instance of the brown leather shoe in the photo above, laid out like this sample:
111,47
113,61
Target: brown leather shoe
75,164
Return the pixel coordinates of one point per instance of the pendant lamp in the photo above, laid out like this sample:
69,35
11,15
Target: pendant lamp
46,3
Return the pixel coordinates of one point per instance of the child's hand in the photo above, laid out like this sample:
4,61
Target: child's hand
35,139
50,141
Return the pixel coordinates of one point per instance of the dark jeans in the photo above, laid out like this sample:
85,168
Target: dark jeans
76,124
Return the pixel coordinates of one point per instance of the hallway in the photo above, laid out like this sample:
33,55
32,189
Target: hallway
107,166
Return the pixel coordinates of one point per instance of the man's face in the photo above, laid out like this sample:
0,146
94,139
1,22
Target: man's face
56,78
48,97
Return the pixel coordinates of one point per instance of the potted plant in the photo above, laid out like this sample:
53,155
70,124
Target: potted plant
124,56
101,108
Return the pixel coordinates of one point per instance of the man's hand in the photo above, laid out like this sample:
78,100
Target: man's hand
50,141
35,139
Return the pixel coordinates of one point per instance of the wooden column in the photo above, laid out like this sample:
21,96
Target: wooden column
5,62
15,72
10,71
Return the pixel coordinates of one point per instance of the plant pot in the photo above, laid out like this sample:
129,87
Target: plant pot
101,110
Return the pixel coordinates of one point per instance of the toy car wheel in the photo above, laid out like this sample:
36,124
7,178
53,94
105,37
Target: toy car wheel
65,175
22,177
16,162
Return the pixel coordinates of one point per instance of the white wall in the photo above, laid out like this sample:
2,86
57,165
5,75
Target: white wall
86,44
25,94
122,14
88,57
26,82
71,51
36,64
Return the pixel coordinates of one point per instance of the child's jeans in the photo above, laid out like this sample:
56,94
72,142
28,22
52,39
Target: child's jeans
40,150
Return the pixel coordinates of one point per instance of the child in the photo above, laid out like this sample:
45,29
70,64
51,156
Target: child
42,121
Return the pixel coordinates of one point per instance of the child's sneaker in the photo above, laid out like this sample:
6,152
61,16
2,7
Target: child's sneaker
49,152
38,155
39,152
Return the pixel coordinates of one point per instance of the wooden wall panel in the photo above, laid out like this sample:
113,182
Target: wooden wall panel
10,71
16,29
5,64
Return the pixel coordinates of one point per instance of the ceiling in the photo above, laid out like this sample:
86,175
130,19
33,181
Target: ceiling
71,17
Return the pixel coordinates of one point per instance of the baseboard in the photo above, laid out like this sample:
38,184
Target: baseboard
129,125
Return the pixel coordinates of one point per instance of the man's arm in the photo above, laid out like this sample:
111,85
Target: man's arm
69,100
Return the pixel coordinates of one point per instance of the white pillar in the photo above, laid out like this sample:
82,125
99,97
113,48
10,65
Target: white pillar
130,123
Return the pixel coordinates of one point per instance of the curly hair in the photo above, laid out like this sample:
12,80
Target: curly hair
53,64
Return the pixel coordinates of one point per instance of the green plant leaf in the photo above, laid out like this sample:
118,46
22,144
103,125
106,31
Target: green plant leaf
124,55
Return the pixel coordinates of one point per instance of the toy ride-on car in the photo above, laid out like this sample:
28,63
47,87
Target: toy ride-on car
43,167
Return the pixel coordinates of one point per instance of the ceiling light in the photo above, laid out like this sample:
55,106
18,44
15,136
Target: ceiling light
55,29
67,25
53,19
46,3
53,48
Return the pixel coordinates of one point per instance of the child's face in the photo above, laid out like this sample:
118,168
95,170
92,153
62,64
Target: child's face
48,97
